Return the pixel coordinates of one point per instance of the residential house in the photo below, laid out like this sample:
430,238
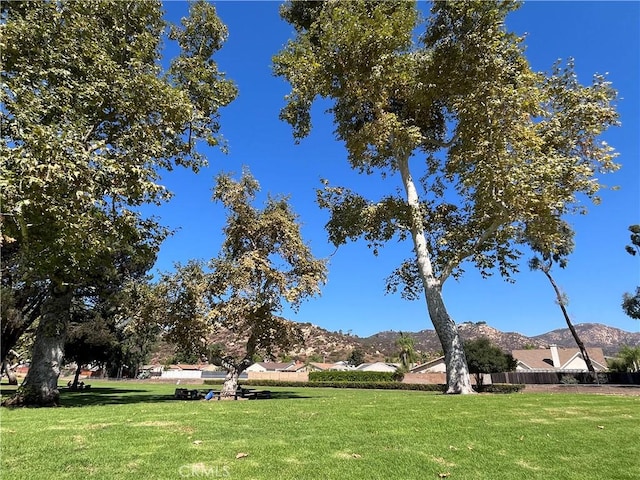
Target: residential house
436,365
555,359
181,371
377,367
323,367
273,367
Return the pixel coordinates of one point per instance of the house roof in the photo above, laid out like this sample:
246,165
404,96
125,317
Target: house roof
328,366
426,365
184,366
363,366
275,366
294,367
540,359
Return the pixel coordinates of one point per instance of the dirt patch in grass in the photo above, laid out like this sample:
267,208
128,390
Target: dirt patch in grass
604,389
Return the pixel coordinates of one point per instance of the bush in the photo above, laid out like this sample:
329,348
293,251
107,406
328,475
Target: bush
352,376
501,388
384,385
379,385
569,380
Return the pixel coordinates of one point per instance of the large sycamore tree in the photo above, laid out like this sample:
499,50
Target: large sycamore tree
89,120
264,264
499,149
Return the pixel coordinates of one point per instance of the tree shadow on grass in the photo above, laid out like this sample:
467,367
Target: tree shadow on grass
123,396
287,395
110,396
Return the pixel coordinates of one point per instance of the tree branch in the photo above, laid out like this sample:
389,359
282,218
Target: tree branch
456,260
440,144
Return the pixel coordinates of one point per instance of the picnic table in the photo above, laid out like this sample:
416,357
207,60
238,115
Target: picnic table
187,394
244,393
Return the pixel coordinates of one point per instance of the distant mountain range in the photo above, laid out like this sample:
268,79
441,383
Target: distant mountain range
608,338
333,346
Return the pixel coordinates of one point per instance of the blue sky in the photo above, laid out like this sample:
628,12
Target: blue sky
602,37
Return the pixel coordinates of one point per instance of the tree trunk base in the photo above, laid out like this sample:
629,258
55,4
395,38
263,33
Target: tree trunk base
13,380
25,397
460,391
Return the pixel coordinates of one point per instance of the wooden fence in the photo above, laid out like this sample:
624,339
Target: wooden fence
533,378
280,376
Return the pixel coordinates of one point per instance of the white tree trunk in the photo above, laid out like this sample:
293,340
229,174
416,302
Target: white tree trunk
40,386
234,369
230,385
458,378
11,375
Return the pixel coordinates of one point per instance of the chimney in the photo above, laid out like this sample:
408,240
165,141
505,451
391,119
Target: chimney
555,358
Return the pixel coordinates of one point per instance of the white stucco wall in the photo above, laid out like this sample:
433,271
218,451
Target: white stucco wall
177,374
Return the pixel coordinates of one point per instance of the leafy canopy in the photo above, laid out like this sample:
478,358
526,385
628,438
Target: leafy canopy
263,263
631,303
502,150
89,119
484,357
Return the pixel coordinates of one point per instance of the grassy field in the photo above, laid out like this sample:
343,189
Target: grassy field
136,430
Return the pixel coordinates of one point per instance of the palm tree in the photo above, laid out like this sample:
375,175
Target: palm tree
628,359
407,353
558,253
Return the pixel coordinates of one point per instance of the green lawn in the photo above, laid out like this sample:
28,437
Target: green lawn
136,430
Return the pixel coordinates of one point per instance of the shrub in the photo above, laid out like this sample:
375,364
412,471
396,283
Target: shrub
351,376
501,388
384,385
569,380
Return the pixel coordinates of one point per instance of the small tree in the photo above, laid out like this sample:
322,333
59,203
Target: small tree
407,350
627,360
556,253
356,357
484,357
90,340
263,262
631,303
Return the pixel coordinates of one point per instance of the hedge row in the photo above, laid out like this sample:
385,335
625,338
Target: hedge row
352,376
385,385
502,388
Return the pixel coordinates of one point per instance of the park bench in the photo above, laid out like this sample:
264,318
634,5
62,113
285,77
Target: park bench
253,394
243,393
78,388
186,394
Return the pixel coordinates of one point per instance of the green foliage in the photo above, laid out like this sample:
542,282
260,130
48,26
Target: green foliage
351,376
484,357
91,340
315,357
407,353
356,357
505,150
89,121
627,360
263,263
631,303
569,380
501,388
184,308
517,145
